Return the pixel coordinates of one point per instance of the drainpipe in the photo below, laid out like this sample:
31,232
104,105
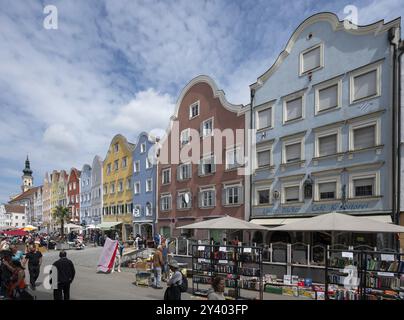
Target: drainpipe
252,94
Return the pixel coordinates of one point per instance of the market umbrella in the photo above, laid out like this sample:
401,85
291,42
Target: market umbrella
29,228
334,221
18,233
225,223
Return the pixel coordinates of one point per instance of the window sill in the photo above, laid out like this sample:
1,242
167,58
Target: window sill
264,205
205,208
232,205
261,130
378,147
293,163
166,184
184,209
324,111
206,175
292,121
352,102
365,198
335,155
268,167
232,169
183,180
326,201
287,204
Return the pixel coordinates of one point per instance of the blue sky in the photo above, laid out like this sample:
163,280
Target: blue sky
118,67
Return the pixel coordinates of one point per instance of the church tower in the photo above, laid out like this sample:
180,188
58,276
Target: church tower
27,179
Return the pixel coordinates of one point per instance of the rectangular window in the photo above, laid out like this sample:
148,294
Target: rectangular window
311,59
184,200
263,196
327,145
207,128
194,110
234,158
148,163
142,148
365,85
105,189
137,188
149,185
120,186
327,190
207,166
128,184
124,162
116,165
364,137
112,188
207,198
294,109
185,137
148,208
292,194
108,168
166,176
116,147
328,98
166,203
264,158
264,118
233,195
364,187
184,172
293,152
137,166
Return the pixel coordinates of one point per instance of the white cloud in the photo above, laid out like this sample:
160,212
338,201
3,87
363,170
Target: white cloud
59,138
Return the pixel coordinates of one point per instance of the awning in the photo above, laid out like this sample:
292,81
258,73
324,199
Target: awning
283,221
108,225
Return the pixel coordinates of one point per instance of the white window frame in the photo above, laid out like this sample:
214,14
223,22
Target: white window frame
148,163
124,162
267,106
139,208
202,133
179,203
205,189
162,176
377,66
240,195
301,62
325,133
128,184
147,185
136,188
143,147
166,196
213,165
290,141
318,181
190,109
326,85
188,131
239,157
180,175
291,97
262,188
364,175
148,214
291,184
262,148
137,164
362,124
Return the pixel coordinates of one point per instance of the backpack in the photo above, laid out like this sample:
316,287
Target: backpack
184,284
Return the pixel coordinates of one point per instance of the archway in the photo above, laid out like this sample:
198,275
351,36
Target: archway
279,236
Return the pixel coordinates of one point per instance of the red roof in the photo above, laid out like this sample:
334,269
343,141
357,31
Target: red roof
14,208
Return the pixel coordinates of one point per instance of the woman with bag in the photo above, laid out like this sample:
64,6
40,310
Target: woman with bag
173,291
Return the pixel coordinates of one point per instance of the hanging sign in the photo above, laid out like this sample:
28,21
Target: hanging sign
385,274
201,248
222,249
247,250
347,255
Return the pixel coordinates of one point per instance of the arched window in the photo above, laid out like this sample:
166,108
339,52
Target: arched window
148,209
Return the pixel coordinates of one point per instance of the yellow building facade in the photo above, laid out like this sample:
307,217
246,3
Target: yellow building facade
117,186
54,196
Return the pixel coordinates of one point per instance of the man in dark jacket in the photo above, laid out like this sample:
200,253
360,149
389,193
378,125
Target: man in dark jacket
65,276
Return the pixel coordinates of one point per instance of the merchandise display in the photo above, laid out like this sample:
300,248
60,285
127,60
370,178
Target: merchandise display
240,266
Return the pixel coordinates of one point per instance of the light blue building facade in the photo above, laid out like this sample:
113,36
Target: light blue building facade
145,187
85,195
323,114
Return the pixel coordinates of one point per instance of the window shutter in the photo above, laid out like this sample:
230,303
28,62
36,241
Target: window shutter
200,199
213,164
365,85
264,118
327,187
328,97
294,109
179,172
240,195
364,182
264,158
293,152
224,196
311,59
292,193
364,137
213,198
201,130
179,202
200,165
327,145
190,200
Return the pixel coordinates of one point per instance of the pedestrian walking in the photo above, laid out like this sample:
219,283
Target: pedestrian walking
34,259
65,276
158,264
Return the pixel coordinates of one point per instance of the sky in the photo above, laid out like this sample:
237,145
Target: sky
119,66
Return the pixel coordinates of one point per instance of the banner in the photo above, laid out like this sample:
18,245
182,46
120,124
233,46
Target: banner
108,254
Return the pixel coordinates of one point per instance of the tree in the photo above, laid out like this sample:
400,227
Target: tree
61,215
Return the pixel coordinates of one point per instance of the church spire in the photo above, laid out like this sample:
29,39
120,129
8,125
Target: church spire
27,171
27,179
